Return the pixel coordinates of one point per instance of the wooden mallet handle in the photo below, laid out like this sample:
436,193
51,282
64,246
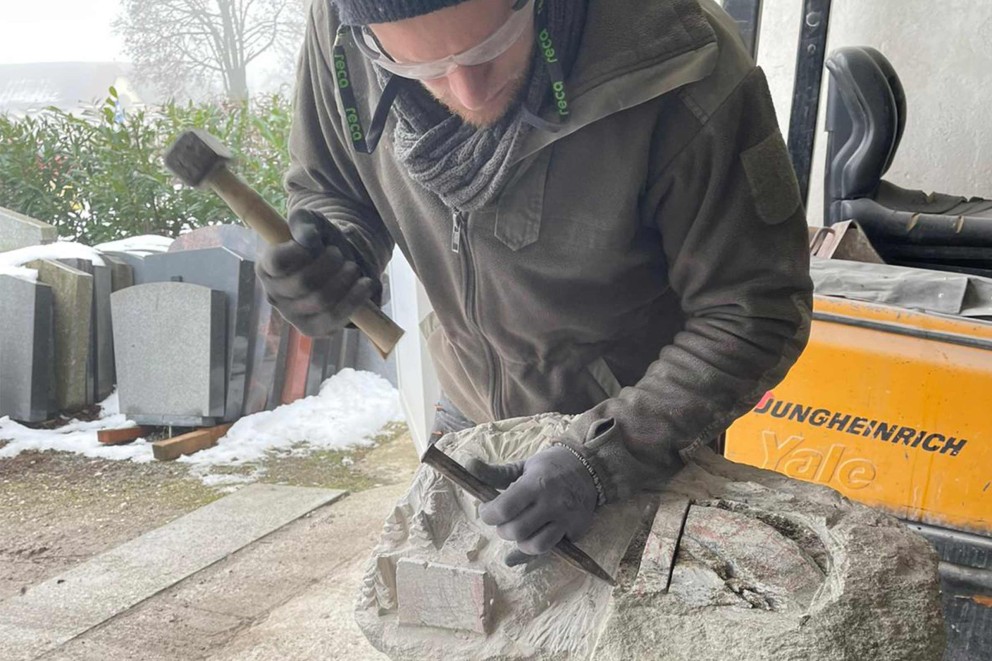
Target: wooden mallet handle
269,223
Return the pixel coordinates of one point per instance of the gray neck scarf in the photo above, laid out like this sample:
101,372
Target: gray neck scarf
466,166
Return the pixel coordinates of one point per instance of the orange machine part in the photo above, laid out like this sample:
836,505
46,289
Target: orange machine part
892,408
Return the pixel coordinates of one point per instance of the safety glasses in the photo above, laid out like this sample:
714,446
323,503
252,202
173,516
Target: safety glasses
494,46
488,50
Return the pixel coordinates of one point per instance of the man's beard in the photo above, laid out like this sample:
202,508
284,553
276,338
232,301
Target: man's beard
508,98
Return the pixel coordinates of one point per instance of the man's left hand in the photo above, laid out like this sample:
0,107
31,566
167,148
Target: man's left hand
550,496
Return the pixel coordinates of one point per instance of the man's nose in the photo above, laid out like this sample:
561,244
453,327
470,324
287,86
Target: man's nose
472,86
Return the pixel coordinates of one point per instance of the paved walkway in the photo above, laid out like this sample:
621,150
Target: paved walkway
289,594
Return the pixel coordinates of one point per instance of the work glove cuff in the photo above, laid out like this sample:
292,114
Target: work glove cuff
617,472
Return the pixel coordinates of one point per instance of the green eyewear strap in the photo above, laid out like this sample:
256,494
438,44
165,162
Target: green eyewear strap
366,143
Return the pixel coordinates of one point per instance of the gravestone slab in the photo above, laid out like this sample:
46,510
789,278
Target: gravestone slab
298,350
269,332
226,271
267,361
139,273
27,350
121,273
236,238
171,349
72,291
20,231
320,355
101,362
344,352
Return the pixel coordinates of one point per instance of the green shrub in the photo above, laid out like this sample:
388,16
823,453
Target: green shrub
99,176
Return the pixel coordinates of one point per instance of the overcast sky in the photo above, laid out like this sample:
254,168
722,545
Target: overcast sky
58,31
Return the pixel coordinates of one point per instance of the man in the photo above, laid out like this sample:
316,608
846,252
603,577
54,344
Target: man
598,201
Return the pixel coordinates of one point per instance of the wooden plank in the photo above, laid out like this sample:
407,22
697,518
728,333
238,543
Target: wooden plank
194,441
121,436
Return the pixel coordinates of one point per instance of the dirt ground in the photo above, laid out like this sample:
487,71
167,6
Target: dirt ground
59,509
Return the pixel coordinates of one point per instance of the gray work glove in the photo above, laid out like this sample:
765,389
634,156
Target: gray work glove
315,280
547,497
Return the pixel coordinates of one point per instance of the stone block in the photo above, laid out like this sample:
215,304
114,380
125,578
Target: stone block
436,595
72,291
101,363
20,231
226,271
27,350
171,348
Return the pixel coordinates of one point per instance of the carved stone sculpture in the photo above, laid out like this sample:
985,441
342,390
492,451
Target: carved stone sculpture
729,562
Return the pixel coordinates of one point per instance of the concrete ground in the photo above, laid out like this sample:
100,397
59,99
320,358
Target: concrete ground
288,595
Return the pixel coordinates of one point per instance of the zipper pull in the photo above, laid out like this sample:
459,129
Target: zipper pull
456,232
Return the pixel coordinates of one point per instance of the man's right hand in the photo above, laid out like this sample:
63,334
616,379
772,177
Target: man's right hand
314,280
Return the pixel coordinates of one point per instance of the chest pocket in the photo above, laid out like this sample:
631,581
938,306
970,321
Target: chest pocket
520,207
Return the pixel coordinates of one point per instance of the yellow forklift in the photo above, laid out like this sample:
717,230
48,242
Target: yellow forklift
890,404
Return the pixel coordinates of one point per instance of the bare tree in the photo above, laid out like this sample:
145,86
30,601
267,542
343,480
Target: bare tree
181,45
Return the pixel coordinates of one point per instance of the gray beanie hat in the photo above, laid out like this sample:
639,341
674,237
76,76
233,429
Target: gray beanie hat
363,12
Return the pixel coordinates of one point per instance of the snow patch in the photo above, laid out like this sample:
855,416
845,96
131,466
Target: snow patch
57,250
142,245
76,436
20,272
350,410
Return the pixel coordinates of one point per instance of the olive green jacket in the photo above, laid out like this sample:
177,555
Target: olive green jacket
647,266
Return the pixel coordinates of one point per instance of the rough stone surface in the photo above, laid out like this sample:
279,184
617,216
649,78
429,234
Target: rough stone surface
761,567
436,595
73,305
227,271
20,231
27,350
170,341
551,611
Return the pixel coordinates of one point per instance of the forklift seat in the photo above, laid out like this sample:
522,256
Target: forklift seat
866,117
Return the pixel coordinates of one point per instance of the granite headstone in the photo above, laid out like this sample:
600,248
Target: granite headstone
27,350
269,335
20,231
171,352
72,291
226,271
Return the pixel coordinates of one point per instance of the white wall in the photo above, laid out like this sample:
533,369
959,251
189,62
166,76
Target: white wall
942,51
418,385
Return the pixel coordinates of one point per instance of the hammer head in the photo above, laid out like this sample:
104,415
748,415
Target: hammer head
195,155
